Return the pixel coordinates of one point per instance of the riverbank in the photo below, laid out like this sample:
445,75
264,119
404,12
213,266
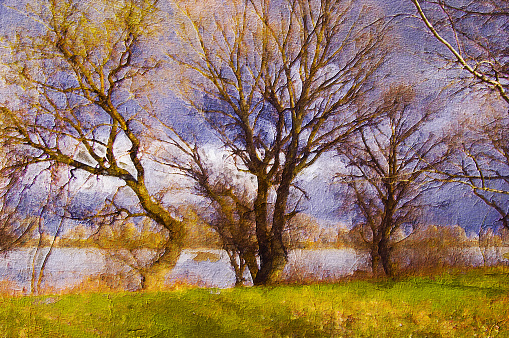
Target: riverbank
71,268
468,304
75,269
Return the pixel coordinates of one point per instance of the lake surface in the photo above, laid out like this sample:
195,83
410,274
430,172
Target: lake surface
67,267
302,264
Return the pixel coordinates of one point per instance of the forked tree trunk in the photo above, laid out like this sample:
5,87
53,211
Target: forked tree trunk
272,267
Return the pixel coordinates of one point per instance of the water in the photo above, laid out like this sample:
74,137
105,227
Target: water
67,267
325,264
213,272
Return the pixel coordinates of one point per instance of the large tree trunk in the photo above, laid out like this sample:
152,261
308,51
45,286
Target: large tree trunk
262,229
157,212
278,250
384,245
154,277
384,250
272,268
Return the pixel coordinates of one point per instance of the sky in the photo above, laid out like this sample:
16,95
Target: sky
408,66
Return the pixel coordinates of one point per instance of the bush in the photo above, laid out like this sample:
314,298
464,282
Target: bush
434,248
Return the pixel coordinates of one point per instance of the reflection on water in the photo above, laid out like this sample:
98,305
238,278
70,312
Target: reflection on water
194,267
325,264
68,267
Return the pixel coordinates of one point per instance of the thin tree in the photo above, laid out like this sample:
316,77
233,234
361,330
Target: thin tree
480,160
387,165
475,33
228,196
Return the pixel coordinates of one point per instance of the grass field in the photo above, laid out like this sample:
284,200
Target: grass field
470,304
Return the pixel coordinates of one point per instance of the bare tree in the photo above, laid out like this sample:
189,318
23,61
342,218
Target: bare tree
80,76
387,165
481,161
280,83
475,33
229,209
232,217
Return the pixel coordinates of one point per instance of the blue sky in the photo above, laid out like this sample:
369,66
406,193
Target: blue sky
407,66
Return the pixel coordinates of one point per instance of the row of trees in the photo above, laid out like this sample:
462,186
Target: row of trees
278,84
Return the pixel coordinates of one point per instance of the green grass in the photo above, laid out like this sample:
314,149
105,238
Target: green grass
475,303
